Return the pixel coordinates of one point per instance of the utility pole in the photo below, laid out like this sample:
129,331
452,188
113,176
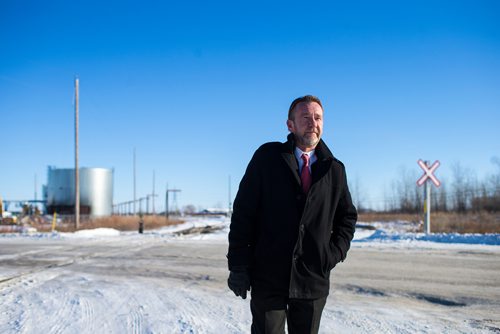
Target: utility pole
166,199
154,193
135,212
152,201
140,206
77,174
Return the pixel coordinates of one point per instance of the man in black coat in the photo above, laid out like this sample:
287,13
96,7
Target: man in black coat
293,221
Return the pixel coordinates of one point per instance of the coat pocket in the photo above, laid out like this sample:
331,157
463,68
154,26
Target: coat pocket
333,256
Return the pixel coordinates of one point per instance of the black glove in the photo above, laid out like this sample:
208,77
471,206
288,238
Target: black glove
239,281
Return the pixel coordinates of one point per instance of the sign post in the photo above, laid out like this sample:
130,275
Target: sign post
427,207
424,179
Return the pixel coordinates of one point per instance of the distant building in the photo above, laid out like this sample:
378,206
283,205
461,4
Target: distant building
96,191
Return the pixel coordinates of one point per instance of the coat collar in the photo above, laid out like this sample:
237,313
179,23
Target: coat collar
322,152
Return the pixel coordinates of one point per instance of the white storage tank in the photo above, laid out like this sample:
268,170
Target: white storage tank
96,191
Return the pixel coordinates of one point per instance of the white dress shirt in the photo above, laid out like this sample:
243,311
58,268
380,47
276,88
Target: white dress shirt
298,156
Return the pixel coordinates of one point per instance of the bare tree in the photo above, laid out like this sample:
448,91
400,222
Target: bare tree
418,196
407,193
462,187
390,204
358,196
493,186
440,198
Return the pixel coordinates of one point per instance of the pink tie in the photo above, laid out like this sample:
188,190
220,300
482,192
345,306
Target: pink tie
305,175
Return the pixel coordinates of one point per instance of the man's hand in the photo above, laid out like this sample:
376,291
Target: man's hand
239,281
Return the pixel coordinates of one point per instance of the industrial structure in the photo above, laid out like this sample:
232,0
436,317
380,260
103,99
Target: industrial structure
96,191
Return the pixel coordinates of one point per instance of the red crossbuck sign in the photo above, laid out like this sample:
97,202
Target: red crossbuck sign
428,173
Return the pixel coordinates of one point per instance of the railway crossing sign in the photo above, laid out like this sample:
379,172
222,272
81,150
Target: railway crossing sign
428,173
424,179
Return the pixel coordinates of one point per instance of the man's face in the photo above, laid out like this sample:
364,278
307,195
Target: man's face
306,125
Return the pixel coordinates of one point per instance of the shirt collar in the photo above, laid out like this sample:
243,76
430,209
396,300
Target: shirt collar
299,152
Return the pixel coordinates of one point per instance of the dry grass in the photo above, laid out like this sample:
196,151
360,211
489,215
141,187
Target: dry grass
465,223
444,222
441,222
121,223
388,217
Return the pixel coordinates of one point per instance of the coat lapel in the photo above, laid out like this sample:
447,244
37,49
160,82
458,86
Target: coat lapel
289,157
322,166
319,169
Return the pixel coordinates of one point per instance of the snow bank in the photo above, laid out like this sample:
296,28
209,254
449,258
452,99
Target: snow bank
97,232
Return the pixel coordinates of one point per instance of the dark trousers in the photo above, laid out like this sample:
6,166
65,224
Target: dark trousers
270,313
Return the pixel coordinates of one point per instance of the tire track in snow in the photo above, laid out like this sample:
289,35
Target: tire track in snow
88,315
54,305
65,311
15,298
36,270
37,252
65,262
197,314
18,322
135,318
192,314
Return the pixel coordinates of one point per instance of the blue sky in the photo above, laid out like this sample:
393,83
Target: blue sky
196,87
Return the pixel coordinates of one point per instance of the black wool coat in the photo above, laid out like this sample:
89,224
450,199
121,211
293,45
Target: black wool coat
290,241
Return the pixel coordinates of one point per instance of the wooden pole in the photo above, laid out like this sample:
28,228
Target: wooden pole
166,203
77,173
135,211
154,192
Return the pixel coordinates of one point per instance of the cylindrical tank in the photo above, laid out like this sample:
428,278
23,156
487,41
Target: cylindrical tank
96,191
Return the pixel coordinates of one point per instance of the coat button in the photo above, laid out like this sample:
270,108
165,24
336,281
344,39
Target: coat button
302,227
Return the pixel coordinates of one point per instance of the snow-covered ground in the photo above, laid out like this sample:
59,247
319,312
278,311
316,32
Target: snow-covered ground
164,281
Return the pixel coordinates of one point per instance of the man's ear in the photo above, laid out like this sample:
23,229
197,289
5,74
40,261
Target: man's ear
290,125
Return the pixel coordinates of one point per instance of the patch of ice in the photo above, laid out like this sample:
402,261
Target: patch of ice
450,238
